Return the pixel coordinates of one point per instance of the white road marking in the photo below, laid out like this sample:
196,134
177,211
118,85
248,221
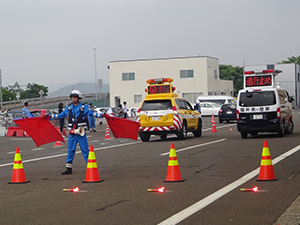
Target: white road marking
94,141
229,125
182,215
37,149
195,146
12,152
21,139
64,154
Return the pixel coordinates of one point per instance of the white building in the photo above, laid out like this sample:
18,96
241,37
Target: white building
193,76
288,79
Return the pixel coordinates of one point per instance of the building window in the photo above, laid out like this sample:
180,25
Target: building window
192,97
270,67
186,73
215,74
128,76
210,93
138,99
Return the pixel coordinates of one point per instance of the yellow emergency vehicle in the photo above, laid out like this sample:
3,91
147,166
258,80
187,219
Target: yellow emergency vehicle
162,112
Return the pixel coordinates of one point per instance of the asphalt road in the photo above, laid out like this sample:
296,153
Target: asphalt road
214,166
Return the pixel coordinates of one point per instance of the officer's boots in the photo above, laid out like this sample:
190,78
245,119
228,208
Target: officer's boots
68,171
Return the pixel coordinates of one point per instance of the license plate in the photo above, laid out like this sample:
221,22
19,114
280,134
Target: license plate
258,117
155,118
229,112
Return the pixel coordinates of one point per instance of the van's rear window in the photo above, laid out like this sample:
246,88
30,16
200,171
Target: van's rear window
257,98
157,105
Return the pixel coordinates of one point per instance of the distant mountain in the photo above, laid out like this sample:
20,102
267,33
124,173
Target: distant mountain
85,88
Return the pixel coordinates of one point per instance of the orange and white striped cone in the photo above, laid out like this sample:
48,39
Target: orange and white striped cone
266,171
107,133
212,118
18,176
173,173
92,173
214,128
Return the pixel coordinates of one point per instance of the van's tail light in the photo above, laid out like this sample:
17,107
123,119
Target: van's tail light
278,113
138,111
174,110
220,111
237,114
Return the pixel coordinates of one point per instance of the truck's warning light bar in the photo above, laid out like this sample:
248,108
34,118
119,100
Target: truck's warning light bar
159,80
274,72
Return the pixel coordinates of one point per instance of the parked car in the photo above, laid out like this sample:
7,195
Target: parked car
227,113
209,108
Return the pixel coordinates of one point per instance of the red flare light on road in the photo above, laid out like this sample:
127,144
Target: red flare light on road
254,189
160,190
76,189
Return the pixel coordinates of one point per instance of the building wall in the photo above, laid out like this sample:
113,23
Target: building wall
201,83
288,79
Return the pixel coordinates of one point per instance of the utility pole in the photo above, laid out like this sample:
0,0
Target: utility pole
0,88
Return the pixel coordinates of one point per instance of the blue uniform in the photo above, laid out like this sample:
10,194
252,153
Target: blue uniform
77,116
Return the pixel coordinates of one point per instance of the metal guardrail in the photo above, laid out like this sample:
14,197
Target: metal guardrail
46,102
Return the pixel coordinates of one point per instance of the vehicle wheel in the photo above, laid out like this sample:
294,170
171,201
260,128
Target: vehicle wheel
144,137
243,134
183,132
220,121
163,136
281,132
227,121
198,132
290,127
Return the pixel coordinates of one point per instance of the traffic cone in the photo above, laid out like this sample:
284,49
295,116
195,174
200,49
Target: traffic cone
214,129
212,118
266,171
57,143
107,133
173,173
18,176
92,173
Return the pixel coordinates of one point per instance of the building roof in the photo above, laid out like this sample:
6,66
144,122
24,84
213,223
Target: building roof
185,57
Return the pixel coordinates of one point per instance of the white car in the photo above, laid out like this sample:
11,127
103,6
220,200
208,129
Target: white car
209,108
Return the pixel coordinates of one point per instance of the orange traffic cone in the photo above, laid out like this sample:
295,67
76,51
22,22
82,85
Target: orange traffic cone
107,133
57,143
212,118
214,128
266,171
173,173
18,176
92,173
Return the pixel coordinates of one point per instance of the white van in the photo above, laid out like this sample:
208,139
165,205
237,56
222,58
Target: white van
263,106
223,99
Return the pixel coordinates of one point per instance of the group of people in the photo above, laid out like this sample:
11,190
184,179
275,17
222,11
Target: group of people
122,110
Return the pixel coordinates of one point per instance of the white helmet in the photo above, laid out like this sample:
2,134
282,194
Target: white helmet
198,102
75,93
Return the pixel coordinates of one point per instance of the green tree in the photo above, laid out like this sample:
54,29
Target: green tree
15,89
32,91
7,95
229,72
292,59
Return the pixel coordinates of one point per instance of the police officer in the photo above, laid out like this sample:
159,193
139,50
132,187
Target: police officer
77,114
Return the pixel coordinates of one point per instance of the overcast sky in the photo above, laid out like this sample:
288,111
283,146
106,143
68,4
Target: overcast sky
51,42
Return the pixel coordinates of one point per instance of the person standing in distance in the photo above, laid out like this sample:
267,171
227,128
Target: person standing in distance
77,114
61,121
92,124
124,107
25,111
